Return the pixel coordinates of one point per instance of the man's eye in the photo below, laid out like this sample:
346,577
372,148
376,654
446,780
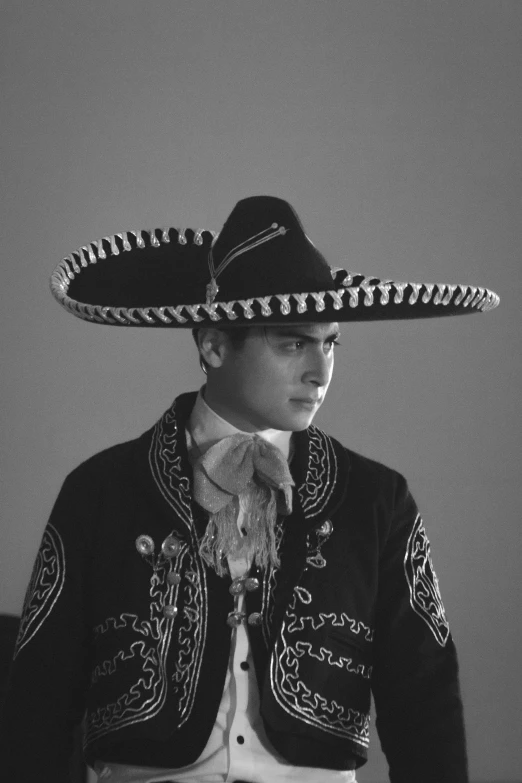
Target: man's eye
330,344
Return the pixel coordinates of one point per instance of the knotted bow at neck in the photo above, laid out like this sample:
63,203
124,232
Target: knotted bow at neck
242,465
228,469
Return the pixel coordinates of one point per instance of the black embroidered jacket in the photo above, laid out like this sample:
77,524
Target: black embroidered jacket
354,608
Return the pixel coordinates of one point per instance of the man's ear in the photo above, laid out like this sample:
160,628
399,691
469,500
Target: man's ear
212,344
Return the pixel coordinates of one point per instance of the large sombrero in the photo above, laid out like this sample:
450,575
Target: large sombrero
260,269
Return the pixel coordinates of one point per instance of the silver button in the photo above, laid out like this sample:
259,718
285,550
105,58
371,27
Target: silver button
170,611
235,618
145,545
255,618
237,587
171,547
173,578
251,583
326,528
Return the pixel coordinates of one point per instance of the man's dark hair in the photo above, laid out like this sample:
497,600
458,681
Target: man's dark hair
236,334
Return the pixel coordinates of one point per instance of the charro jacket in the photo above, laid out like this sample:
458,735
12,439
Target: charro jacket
111,634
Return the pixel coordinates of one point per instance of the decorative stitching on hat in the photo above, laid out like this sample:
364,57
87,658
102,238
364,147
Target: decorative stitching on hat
246,304
265,306
471,294
92,310
193,312
125,239
354,296
144,312
348,280
105,315
384,288
319,300
337,297
448,297
154,241
228,307
441,288
81,259
114,247
101,251
460,296
477,299
428,292
160,313
212,311
301,302
116,312
368,291
415,292
129,314
72,261
285,304
399,296
175,311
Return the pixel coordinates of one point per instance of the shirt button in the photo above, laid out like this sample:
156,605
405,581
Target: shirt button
241,740
255,618
245,665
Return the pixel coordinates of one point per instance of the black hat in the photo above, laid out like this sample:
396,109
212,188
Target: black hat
260,269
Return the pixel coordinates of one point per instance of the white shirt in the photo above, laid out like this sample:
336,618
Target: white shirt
238,748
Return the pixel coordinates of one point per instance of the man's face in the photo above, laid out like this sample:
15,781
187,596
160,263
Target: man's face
277,380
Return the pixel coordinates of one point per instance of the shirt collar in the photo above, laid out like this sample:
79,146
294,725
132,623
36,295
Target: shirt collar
206,427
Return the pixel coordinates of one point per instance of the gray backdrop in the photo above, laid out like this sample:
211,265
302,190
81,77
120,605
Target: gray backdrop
394,127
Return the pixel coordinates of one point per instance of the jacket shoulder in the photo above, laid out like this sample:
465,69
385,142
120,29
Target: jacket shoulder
370,475
113,460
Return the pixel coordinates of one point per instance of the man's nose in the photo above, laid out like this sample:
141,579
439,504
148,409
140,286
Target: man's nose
318,370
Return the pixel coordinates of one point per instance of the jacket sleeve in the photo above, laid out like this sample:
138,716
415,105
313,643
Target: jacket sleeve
49,675
415,678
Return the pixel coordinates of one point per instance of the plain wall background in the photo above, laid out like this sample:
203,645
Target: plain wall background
394,128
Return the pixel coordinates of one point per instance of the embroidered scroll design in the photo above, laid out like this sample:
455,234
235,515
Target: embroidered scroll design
425,597
165,464
44,588
331,659
321,475
296,698
145,698
269,585
174,485
314,541
191,637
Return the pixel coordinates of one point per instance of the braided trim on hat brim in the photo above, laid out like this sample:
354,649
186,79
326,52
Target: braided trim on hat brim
351,290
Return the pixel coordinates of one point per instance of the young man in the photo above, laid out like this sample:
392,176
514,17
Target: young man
221,596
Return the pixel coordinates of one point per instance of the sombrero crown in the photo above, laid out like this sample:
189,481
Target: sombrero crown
260,269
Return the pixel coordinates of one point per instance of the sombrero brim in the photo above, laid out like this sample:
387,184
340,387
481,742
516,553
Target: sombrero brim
157,278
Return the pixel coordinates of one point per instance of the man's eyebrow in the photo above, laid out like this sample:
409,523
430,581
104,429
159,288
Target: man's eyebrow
286,331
